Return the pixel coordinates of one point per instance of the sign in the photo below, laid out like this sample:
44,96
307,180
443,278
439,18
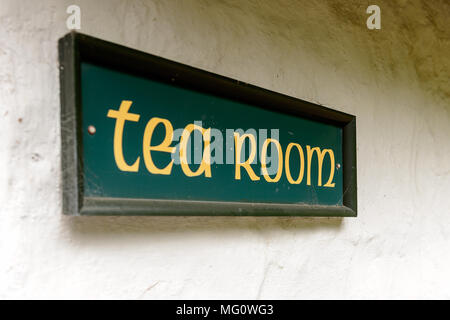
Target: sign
142,135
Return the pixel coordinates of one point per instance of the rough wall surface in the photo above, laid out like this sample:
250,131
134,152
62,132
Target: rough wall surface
395,80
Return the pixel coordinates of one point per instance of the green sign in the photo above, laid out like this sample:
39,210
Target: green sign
142,135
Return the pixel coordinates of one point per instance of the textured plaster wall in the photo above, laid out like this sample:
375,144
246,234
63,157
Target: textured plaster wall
395,80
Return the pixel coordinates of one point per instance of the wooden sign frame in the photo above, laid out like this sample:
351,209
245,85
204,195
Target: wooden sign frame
75,48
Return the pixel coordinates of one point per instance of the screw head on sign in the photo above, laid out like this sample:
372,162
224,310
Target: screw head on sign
91,130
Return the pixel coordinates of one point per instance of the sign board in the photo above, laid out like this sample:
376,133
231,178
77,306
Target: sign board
142,135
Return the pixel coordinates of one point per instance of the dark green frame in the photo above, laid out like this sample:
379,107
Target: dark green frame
76,47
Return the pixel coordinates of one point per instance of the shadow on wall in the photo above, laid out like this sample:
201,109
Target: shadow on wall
152,225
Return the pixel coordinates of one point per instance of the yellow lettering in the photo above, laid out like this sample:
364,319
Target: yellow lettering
163,147
264,164
238,142
302,163
121,115
320,156
205,166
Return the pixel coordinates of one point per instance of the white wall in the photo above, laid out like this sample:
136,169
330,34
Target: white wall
394,80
